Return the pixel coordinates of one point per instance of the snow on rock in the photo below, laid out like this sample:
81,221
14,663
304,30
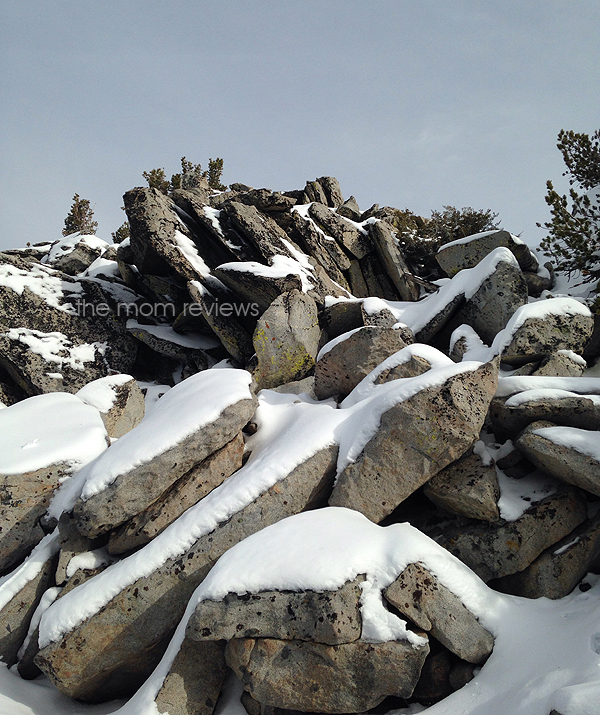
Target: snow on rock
49,429
42,281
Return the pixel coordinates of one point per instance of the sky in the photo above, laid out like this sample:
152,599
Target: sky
410,103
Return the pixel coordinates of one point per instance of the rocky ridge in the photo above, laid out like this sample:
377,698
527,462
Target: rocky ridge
303,370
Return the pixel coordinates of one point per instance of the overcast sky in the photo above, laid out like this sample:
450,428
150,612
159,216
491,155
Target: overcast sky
414,104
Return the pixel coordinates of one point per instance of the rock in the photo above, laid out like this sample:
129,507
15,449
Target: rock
545,327
286,340
313,191
349,209
419,595
246,281
342,366
393,261
19,597
490,308
350,678
266,201
323,248
160,242
195,484
562,363
416,439
499,550
346,234
140,475
356,280
298,387
415,365
439,320
375,312
116,649
341,317
43,440
330,617
468,488
556,572
541,280
511,416
194,681
461,673
434,683
332,191
261,231
467,253
567,453
231,333
70,544
119,401
378,284
45,312
75,253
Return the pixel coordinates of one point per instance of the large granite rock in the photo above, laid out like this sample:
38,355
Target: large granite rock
355,241
493,551
142,465
415,440
468,252
343,364
330,617
313,677
286,340
419,595
568,453
118,399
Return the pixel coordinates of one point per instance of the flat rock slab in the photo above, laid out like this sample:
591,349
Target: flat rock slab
493,551
340,368
416,439
246,281
286,340
467,253
556,572
419,595
330,617
117,647
194,419
184,493
511,416
468,488
313,677
568,453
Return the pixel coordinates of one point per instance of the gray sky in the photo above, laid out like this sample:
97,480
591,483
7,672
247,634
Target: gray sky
414,104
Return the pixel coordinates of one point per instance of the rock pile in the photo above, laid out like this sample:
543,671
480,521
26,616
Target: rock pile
301,387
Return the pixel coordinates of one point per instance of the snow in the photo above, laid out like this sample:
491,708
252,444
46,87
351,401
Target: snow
102,393
214,215
581,440
89,560
475,237
188,250
580,385
166,332
465,283
520,398
545,654
291,429
12,583
49,429
52,346
281,266
42,281
49,596
102,268
68,244
472,340
183,410
517,495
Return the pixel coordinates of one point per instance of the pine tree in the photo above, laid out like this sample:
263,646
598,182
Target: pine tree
121,233
214,173
80,218
157,178
573,239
